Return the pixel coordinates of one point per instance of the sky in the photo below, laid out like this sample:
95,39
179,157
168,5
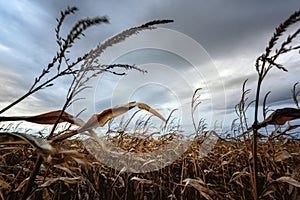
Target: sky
211,45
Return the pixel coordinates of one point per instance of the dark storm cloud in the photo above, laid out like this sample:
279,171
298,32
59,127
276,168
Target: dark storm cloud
224,27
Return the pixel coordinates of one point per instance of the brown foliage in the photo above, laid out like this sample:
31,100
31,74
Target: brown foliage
223,174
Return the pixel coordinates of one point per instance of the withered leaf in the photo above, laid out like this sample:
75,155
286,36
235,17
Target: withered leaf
281,116
22,184
150,110
4,184
141,180
282,155
20,138
66,180
201,187
96,120
45,118
102,118
108,114
288,180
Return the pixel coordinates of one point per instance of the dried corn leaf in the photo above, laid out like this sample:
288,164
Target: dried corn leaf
268,192
66,180
191,180
4,184
149,162
64,169
22,184
282,155
108,114
66,155
141,180
118,176
288,180
20,138
281,116
45,118
225,162
150,110
236,175
201,187
96,120
121,181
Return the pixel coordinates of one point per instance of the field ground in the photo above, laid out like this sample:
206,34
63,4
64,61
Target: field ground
223,174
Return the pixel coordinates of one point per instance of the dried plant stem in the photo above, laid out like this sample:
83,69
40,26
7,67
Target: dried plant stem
255,136
264,64
33,174
70,96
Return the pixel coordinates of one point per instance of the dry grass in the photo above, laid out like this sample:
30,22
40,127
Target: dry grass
222,174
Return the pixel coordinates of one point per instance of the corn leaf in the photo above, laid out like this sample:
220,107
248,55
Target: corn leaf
282,155
45,118
108,114
4,184
281,116
20,138
102,118
201,187
288,180
66,180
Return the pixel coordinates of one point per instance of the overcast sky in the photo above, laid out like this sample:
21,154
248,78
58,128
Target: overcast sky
210,44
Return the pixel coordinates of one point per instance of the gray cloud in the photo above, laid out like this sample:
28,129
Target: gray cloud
227,26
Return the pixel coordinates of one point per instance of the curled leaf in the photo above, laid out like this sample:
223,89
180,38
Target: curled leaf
288,180
66,180
150,110
20,138
45,118
281,116
108,114
102,118
201,187
141,180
